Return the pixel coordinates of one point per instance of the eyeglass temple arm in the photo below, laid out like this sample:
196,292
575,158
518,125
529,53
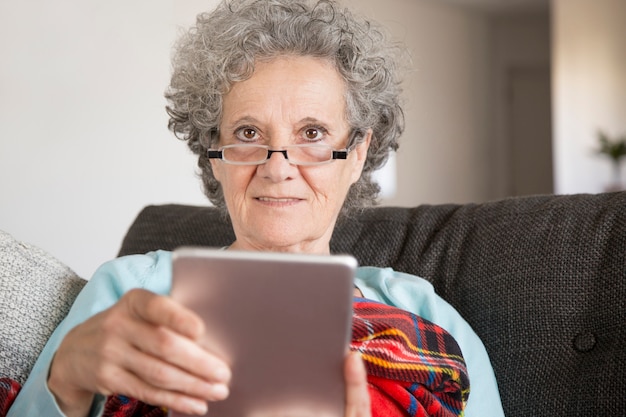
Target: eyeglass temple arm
213,154
352,142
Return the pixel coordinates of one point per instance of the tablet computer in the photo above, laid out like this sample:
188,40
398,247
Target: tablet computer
281,321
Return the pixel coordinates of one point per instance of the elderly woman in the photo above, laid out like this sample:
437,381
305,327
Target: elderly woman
290,107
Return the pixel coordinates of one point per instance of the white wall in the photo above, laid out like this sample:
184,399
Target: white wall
83,138
589,89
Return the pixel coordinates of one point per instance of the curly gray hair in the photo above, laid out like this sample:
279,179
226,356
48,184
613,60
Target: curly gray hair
222,47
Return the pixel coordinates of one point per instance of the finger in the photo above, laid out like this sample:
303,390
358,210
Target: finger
209,383
163,376
357,395
163,311
173,348
135,387
117,366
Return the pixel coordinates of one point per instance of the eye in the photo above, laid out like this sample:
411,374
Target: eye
314,133
247,134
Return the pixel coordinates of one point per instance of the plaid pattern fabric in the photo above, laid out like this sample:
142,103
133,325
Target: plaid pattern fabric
121,406
414,368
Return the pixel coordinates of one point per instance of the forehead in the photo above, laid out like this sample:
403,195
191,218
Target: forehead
288,89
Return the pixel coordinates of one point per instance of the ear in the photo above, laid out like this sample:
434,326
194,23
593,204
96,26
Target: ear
360,151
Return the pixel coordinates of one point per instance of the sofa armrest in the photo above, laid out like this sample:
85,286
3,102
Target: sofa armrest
36,292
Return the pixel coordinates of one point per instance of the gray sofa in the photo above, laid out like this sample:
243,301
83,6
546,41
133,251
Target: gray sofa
541,279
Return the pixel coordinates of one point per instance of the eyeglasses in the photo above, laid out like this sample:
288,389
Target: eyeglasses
305,154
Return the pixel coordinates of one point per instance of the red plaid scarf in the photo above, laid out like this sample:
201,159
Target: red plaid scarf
8,391
414,367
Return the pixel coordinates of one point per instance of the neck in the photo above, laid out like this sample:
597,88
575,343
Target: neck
316,247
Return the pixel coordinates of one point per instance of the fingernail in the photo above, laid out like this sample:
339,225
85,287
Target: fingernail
220,391
198,407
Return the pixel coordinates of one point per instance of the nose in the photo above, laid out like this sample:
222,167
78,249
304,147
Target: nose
277,169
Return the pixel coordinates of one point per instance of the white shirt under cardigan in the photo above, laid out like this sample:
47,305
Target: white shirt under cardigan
153,272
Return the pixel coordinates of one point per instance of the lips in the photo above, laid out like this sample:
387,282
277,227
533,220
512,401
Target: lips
278,199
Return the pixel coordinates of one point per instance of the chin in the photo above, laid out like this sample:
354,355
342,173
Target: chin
285,233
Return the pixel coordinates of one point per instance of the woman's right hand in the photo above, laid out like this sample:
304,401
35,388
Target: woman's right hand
145,347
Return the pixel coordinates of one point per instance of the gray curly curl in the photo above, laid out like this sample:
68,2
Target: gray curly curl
222,47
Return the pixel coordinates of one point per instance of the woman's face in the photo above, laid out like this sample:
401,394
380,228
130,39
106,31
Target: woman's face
278,206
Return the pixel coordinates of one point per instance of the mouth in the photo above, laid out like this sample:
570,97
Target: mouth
278,200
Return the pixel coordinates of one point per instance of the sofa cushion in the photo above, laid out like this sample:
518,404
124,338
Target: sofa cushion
36,292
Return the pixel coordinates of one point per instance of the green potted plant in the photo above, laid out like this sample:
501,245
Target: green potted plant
615,149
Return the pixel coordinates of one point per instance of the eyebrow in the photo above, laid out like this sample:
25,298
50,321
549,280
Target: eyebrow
244,120
254,121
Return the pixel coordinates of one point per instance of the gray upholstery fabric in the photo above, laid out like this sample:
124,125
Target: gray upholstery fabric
541,279
36,292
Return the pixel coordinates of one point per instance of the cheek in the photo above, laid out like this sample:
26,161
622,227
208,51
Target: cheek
233,179
333,184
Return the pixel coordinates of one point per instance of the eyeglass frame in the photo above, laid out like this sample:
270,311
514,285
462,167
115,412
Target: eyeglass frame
335,154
